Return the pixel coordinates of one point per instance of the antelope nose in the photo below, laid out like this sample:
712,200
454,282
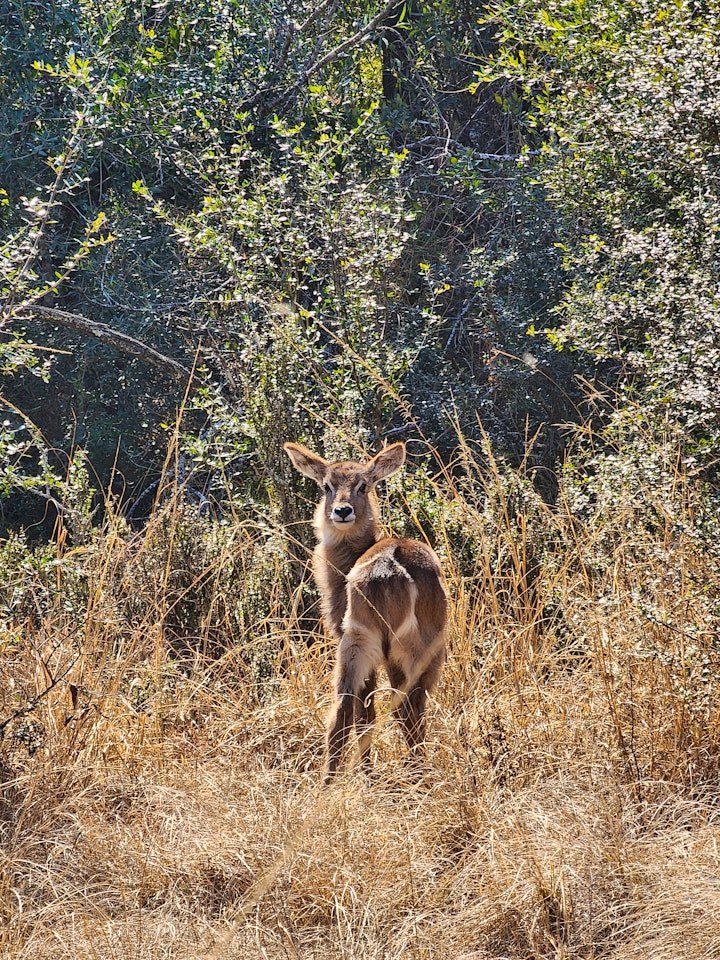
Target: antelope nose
343,512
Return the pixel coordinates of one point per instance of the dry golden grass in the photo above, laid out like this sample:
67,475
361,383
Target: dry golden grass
160,801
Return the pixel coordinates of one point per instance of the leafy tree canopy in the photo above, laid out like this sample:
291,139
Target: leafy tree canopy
352,221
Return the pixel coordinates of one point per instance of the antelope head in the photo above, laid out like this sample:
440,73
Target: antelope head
349,505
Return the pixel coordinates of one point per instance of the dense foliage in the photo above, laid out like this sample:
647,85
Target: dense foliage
302,201
623,98
354,222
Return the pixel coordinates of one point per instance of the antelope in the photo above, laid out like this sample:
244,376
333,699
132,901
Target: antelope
383,599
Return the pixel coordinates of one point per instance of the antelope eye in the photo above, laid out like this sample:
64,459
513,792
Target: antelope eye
362,488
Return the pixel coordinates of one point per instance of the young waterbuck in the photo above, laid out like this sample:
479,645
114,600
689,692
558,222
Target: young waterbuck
384,600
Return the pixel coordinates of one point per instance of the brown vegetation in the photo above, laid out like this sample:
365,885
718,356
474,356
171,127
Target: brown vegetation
161,799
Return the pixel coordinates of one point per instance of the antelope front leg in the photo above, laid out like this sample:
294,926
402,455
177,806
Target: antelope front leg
355,678
338,732
365,718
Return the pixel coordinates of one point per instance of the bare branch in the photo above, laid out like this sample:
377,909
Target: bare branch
105,334
33,702
317,12
352,41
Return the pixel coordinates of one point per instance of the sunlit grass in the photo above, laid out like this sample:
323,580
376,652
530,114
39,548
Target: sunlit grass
161,794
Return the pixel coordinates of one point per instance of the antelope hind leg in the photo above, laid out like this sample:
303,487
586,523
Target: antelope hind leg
411,714
410,711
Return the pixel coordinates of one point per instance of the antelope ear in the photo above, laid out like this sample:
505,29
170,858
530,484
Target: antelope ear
385,463
307,462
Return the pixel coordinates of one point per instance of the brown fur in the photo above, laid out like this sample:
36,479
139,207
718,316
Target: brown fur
383,600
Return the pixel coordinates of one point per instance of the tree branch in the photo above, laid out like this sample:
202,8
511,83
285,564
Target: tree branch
113,338
314,65
352,41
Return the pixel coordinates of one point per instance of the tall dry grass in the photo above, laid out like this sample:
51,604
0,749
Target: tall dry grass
163,717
